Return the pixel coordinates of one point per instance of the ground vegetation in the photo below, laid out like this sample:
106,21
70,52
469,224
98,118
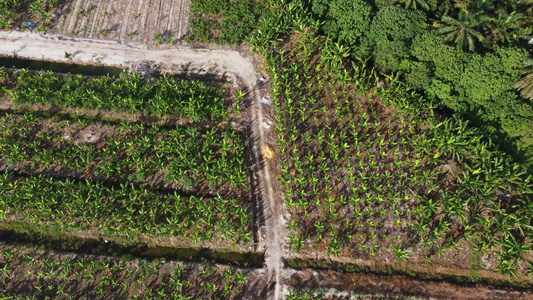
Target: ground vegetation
17,13
27,272
377,172
464,55
187,182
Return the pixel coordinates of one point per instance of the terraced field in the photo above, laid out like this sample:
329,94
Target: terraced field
135,21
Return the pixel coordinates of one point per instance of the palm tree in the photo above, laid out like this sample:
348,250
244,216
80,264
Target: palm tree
463,31
506,27
413,4
525,84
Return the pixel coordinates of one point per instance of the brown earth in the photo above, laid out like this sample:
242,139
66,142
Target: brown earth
391,286
125,21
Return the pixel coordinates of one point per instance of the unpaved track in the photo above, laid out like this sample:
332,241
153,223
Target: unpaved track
108,53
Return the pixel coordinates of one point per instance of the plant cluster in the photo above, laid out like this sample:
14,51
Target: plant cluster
131,93
122,210
16,13
373,172
29,273
223,21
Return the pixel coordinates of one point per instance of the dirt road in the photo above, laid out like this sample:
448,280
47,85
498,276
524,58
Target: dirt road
88,51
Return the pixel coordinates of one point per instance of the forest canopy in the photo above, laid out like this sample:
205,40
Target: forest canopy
472,57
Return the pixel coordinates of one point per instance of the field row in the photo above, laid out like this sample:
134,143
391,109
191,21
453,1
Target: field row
189,158
49,274
138,21
130,93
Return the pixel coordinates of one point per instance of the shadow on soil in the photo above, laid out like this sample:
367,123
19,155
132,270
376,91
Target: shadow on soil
302,264
24,233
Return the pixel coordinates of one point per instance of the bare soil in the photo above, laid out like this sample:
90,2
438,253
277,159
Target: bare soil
125,21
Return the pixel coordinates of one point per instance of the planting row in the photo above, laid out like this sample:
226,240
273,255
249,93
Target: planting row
37,274
202,160
365,178
130,93
123,210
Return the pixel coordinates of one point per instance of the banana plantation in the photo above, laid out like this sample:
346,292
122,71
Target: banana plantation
370,172
124,179
303,166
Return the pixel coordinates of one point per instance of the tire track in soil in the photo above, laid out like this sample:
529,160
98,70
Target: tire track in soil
144,19
114,22
96,13
162,28
135,28
156,19
64,15
83,28
106,13
183,19
170,16
177,23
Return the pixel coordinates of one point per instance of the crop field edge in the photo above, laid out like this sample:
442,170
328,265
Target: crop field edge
406,270
78,241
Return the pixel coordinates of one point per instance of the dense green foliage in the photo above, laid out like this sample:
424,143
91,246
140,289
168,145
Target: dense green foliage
30,273
223,21
128,178
375,172
131,93
465,55
16,13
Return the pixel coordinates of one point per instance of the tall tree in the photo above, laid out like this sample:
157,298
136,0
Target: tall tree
506,27
463,30
415,4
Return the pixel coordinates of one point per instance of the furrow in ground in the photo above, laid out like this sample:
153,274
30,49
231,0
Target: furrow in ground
73,18
125,25
95,20
83,28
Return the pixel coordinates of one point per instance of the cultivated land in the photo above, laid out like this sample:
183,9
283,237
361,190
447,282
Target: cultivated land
138,21
329,174
197,61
